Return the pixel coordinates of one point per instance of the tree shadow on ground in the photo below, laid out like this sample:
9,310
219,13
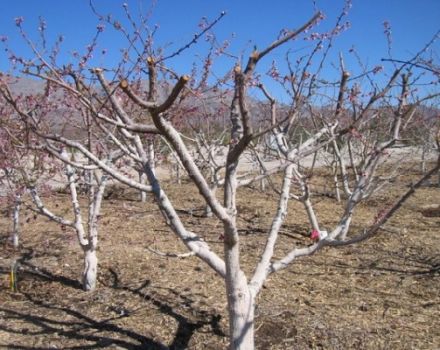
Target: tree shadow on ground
38,320
79,327
186,326
45,275
27,269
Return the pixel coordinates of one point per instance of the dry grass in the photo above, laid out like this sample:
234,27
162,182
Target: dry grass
382,294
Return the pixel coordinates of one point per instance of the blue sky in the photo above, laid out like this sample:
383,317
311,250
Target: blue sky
413,24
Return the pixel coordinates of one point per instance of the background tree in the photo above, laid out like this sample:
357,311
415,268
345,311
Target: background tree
32,169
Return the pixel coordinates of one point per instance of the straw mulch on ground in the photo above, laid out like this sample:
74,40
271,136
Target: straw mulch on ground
381,294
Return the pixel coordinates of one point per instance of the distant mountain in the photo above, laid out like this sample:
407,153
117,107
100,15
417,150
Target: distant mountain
25,86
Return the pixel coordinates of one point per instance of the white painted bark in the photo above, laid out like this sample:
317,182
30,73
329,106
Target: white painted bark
78,225
90,270
90,258
16,221
208,210
240,299
343,169
343,226
142,179
191,168
100,163
190,239
336,184
151,155
262,269
151,158
239,296
263,182
178,175
423,163
87,240
241,307
41,209
311,214
214,185
305,198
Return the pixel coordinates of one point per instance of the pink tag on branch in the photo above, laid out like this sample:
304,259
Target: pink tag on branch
318,235
314,235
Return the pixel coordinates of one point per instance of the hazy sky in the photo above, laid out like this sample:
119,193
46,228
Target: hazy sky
413,23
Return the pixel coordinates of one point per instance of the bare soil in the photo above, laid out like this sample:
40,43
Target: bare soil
381,294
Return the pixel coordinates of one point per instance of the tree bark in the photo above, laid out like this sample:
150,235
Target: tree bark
311,214
142,180
241,304
336,183
90,269
16,222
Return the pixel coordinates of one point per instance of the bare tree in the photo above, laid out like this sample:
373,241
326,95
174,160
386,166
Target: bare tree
111,111
31,168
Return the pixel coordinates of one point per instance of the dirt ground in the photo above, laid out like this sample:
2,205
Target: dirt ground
381,294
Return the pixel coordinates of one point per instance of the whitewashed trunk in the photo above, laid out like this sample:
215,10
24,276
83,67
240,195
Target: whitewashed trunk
178,176
16,222
423,165
90,269
142,180
344,228
242,325
208,210
311,214
241,305
15,239
337,191
263,182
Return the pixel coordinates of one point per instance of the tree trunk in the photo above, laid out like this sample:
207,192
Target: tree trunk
423,164
263,181
208,211
241,302
241,306
90,269
311,214
178,174
214,181
336,183
142,180
16,222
